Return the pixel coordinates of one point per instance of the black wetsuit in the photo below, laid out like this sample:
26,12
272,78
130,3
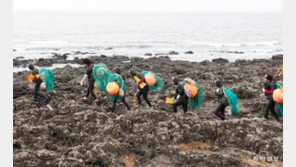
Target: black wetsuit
143,92
183,99
123,101
223,103
38,82
123,98
269,88
91,81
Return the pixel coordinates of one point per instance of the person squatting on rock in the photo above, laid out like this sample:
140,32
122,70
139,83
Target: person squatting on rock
269,87
222,99
38,81
89,75
142,90
118,71
180,96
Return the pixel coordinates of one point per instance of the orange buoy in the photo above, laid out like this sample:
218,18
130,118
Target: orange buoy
190,90
112,88
30,78
150,79
277,95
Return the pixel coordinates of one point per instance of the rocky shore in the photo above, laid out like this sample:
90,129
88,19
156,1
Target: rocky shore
68,132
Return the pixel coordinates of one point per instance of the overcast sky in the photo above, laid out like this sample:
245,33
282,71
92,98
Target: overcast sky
153,5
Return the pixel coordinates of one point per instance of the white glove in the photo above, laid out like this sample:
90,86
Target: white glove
263,90
43,85
217,90
178,96
83,79
81,82
121,92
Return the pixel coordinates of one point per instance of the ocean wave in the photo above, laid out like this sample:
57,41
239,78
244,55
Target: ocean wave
133,46
246,44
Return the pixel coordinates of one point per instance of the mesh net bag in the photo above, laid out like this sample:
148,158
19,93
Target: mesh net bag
118,79
47,76
232,101
279,106
101,75
159,86
196,101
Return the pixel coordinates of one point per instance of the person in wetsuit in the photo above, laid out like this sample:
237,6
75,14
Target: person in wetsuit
142,91
37,81
269,87
118,71
222,99
180,96
91,81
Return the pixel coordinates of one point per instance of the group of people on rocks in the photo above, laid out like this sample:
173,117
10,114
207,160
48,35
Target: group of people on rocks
188,92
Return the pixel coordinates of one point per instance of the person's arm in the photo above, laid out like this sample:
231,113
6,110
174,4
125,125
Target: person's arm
84,78
89,70
268,89
142,80
177,91
219,92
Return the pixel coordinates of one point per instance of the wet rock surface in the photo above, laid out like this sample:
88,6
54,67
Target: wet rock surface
68,132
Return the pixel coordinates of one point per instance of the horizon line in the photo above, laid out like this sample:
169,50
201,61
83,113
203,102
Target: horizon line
148,11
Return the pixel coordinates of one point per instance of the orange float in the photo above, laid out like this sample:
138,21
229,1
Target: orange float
150,79
190,90
277,95
112,88
30,78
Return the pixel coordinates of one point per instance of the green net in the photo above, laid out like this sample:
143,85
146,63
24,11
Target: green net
279,109
47,76
279,106
196,101
101,75
159,86
278,86
232,100
118,79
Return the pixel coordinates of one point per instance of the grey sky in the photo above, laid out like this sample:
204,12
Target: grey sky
153,5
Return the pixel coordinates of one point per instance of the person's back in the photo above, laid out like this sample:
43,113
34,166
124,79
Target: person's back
89,71
180,96
269,87
89,75
38,81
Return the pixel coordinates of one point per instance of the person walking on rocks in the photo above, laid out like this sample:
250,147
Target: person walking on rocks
89,76
189,93
37,80
142,88
116,89
225,98
269,87
222,99
180,96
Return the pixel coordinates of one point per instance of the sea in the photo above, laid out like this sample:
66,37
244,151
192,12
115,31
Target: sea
40,34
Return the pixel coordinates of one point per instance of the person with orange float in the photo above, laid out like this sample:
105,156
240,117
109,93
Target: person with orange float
189,93
116,89
269,87
180,96
142,88
35,77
